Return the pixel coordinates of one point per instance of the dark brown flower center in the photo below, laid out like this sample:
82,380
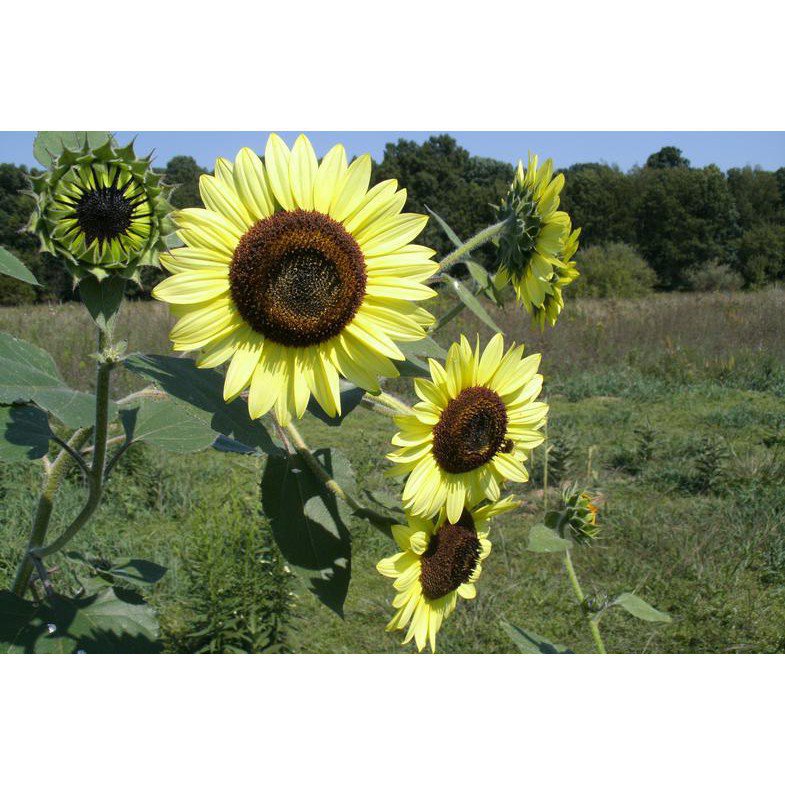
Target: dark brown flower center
470,431
452,556
297,277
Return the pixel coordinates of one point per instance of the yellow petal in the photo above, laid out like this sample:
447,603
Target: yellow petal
193,287
351,188
331,171
243,364
223,199
276,161
250,180
303,166
395,233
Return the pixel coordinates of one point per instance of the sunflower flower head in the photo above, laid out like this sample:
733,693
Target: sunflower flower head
296,274
438,562
577,517
475,424
535,249
102,211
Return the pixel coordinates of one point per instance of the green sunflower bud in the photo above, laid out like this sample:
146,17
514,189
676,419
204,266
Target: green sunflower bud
535,249
102,210
577,518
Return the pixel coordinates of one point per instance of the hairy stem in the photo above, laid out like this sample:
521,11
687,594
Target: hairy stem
576,587
98,465
386,399
482,237
43,513
381,522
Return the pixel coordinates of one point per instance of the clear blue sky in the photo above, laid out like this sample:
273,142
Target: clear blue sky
625,148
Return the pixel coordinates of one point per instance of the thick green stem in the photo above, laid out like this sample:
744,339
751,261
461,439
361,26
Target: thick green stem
43,512
98,465
482,237
576,587
386,399
380,522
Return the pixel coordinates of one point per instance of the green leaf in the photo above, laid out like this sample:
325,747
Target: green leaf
102,298
28,373
545,540
472,303
24,433
425,347
134,570
200,392
641,609
307,525
10,265
48,145
447,229
412,368
350,400
167,425
111,621
531,643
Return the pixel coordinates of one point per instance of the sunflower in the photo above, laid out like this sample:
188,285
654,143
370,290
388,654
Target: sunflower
475,423
438,563
538,240
553,303
102,211
295,273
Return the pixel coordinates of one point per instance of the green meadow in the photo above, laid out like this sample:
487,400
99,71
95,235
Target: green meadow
671,407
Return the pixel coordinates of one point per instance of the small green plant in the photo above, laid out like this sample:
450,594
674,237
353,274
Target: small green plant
714,276
613,270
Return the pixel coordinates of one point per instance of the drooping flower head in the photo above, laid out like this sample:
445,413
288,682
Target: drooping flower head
103,211
537,244
295,273
438,563
475,423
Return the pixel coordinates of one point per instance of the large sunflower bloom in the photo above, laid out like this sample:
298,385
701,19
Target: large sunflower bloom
538,241
474,426
438,563
295,273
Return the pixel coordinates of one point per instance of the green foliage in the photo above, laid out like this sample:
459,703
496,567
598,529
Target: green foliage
757,195
639,608
667,158
236,596
762,254
183,172
714,276
11,266
531,643
612,270
24,433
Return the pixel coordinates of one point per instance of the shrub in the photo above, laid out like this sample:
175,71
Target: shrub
714,277
612,270
762,254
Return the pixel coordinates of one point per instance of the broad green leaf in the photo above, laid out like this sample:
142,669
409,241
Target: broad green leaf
200,392
111,621
425,347
133,570
531,643
24,433
28,373
641,609
10,265
447,229
472,303
167,425
102,298
545,540
412,367
48,145
307,525
350,400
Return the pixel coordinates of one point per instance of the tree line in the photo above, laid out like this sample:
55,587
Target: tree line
680,219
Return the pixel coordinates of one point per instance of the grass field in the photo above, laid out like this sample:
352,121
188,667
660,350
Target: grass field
673,407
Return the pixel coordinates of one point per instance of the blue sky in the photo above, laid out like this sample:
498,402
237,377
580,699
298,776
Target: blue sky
625,148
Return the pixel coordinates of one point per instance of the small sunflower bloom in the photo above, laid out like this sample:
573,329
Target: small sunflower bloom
102,211
475,424
577,517
296,273
438,563
538,242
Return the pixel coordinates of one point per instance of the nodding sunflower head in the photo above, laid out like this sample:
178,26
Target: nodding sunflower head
537,243
102,211
577,518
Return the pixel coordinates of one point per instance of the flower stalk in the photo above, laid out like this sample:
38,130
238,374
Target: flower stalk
594,627
483,236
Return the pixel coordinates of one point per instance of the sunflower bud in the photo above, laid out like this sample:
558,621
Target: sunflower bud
101,210
577,518
538,242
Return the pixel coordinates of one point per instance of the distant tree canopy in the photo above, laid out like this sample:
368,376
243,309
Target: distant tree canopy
678,218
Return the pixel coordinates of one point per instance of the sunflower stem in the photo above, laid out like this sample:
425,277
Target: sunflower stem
482,237
448,317
594,627
98,465
372,405
386,399
380,522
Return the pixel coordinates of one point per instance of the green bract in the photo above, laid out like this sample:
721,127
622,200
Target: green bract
577,518
101,210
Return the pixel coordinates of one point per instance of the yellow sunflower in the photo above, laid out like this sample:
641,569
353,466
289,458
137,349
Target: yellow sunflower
474,426
538,241
295,272
438,563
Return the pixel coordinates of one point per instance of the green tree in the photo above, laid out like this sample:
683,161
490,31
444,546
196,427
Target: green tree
761,256
183,171
757,196
667,158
